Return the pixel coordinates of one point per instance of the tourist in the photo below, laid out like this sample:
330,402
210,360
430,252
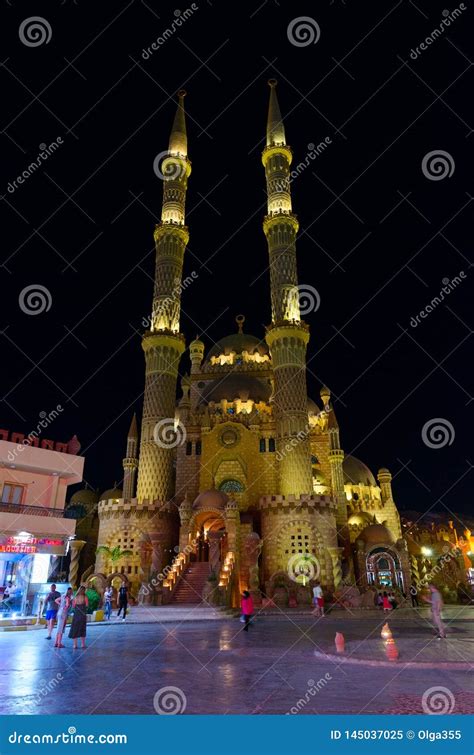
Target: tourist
79,619
51,609
318,600
414,596
387,606
436,607
108,602
392,601
122,600
379,600
247,609
64,603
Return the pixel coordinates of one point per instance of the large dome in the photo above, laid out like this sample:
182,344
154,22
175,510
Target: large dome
112,493
238,342
376,534
356,472
210,499
236,386
86,497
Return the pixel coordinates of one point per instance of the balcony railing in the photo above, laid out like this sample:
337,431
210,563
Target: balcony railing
21,508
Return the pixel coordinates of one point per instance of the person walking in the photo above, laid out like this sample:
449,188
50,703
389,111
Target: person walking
79,619
108,602
387,606
122,600
247,608
379,600
318,600
64,603
436,601
414,596
51,609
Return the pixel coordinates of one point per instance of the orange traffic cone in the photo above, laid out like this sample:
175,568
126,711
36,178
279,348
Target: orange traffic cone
386,632
391,649
339,640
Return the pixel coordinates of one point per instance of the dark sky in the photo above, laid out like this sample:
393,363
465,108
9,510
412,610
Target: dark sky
377,235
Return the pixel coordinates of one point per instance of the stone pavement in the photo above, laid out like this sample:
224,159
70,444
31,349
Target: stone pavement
215,667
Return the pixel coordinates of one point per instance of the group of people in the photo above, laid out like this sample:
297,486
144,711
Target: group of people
386,601
58,607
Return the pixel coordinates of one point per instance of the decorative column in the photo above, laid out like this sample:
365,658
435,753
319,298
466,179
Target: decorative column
75,547
130,463
163,344
287,336
335,554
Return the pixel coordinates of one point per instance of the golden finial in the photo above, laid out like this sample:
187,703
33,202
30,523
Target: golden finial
272,83
240,319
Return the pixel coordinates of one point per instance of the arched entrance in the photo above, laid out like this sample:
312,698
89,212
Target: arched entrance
384,568
209,535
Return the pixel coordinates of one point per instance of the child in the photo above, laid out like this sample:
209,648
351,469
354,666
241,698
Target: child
387,606
247,608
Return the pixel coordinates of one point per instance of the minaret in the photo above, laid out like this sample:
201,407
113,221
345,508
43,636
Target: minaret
130,463
336,458
287,336
163,344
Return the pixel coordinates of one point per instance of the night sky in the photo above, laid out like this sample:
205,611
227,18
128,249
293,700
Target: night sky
378,234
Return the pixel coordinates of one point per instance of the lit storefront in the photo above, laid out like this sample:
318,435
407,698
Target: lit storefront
35,534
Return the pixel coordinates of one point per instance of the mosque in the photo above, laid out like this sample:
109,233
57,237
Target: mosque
241,482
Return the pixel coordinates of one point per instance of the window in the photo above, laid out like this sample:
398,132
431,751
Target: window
271,445
12,493
231,486
189,448
263,445
198,448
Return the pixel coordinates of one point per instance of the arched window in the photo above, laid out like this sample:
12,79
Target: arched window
231,486
271,445
189,448
198,448
263,445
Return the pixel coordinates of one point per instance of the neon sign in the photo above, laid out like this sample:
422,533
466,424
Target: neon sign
20,548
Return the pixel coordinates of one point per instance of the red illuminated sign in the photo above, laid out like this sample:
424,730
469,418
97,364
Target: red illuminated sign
16,540
20,548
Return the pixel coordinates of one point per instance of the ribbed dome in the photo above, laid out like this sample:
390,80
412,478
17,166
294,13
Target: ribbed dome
376,534
86,497
313,408
112,493
210,499
238,342
236,385
356,472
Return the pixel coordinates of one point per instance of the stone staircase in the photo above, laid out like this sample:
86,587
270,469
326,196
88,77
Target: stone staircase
190,586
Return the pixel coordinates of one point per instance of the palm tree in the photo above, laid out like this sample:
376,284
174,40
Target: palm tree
115,554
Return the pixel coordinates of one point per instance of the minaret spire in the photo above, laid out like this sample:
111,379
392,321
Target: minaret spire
275,127
130,463
163,344
287,336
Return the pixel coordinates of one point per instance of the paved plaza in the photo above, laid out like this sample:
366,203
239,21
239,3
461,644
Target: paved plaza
279,666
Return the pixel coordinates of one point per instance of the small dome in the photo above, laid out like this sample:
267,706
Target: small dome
112,493
383,471
376,534
210,499
234,386
313,408
356,472
86,497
